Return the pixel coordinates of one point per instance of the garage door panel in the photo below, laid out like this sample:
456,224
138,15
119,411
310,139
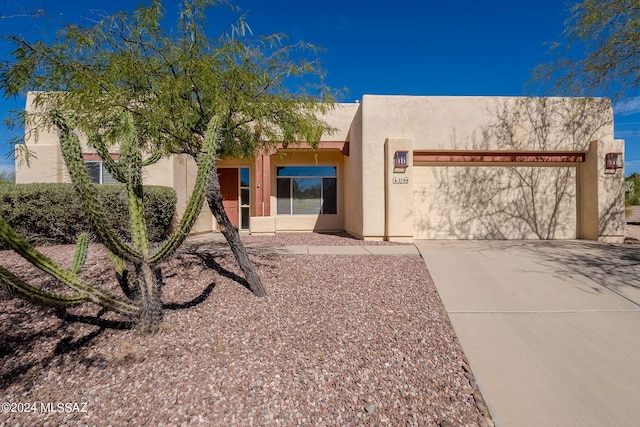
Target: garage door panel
489,202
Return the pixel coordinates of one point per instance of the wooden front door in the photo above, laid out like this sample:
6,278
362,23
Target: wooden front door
229,188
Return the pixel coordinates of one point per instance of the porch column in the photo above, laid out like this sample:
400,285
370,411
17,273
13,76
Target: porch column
601,195
262,222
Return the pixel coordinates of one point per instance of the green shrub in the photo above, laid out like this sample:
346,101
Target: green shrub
632,199
7,178
51,213
632,189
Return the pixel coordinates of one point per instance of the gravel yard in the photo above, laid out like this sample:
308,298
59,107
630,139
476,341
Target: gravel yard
313,239
633,234
340,340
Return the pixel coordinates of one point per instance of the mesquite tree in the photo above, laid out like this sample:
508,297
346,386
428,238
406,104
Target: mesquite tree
135,263
174,81
599,53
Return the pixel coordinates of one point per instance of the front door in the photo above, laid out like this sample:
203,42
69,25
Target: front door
229,188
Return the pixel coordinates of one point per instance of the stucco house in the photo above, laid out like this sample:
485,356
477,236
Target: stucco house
416,167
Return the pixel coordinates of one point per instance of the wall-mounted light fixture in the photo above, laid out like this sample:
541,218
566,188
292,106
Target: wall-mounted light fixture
400,159
613,162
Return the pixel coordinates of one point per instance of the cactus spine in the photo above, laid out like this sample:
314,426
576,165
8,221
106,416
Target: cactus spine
72,153
68,277
18,288
80,255
134,265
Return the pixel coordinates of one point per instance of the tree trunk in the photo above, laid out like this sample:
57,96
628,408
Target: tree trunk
214,199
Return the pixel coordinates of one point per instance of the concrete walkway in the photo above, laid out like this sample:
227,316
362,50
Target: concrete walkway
352,250
551,329
214,242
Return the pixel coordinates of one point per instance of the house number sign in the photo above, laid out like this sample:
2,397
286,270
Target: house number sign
401,180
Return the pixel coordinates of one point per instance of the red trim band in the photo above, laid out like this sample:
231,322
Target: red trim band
342,146
94,156
438,156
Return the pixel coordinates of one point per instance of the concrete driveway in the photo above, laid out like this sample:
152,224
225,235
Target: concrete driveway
551,329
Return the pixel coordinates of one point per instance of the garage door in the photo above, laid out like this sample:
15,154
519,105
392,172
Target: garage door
494,202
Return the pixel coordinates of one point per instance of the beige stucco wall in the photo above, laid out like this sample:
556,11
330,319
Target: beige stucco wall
611,224
587,185
353,173
471,123
44,164
487,123
602,195
341,118
399,185
367,205
502,201
182,170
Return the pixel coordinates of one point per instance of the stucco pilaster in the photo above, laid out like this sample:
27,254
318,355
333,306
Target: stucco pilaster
399,190
601,195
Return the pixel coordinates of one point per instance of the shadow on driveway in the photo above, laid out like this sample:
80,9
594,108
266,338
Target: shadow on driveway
550,328
616,267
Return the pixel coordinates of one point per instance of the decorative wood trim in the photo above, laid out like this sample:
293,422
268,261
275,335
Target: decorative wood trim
442,156
263,184
342,146
266,186
96,157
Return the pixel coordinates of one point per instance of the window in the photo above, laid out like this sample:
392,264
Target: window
307,190
98,173
245,206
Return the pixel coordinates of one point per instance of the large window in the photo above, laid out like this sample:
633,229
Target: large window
98,173
307,190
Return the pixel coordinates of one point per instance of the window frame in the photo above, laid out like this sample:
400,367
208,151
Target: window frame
321,177
244,207
102,172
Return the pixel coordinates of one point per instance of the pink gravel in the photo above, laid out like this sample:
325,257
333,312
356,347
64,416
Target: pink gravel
313,239
339,340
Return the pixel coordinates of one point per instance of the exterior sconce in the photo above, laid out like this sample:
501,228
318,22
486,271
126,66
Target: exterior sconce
613,162
400,159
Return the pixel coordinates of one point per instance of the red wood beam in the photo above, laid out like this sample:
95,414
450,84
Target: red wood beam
266,185
95,156
441,156
342,146
259,188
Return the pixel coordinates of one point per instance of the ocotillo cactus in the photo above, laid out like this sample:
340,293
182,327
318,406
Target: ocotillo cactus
134,265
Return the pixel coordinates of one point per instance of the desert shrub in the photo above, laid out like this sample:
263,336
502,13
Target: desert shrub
159,204
7,177
632,189
52,214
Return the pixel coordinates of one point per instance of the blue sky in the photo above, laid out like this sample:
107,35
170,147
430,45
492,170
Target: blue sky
378,47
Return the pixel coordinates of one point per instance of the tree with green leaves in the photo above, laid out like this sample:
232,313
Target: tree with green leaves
601,52
7,177
632,189
174,82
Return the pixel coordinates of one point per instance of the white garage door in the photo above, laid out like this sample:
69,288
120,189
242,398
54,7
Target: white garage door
494,202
